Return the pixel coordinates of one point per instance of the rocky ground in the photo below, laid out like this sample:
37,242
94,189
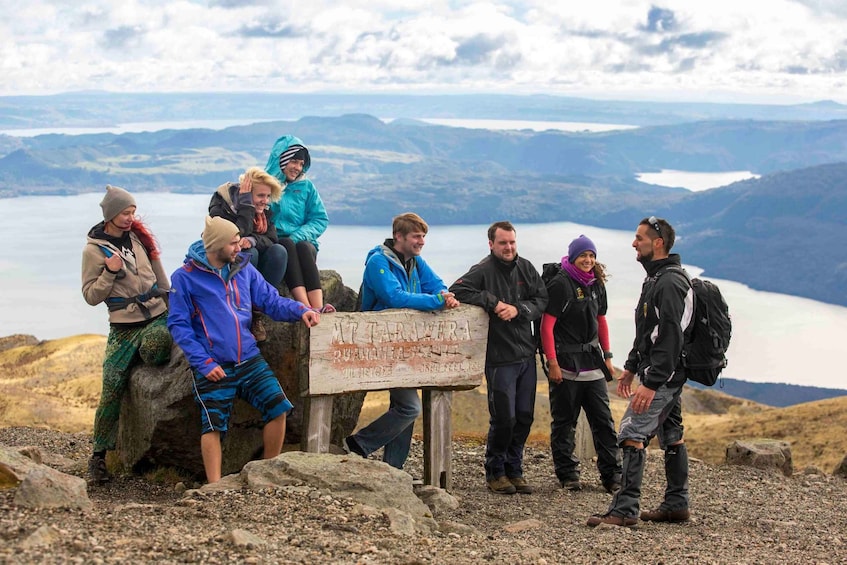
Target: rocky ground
740,515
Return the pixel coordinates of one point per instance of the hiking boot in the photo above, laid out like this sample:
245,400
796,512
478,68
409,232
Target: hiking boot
521,485
612,486
501,485
612,520
352,446
664,515
326,309
258,329
97,472
571,484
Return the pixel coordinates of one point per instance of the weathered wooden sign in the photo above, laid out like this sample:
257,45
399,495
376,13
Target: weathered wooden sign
398,348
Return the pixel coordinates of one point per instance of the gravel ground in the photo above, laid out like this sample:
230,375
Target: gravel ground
739,515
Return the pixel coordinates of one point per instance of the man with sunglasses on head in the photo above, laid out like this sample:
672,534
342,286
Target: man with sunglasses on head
662,318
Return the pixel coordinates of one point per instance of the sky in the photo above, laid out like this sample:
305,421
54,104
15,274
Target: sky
780,51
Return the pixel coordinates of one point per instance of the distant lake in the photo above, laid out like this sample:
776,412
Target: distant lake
694,181
525,124
776,337
137,127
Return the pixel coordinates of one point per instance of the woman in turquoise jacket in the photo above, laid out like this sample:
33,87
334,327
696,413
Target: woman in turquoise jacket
300,219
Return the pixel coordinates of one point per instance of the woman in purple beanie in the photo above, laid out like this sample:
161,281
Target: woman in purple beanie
575,339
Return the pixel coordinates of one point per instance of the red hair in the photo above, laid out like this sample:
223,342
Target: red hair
147,238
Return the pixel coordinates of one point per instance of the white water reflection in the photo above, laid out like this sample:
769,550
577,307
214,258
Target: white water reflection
694,181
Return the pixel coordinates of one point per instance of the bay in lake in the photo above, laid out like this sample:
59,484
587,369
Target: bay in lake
776,337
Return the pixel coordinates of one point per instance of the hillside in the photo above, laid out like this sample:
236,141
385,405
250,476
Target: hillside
55,384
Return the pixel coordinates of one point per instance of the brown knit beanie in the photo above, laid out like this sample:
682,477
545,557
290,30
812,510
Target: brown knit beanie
116,201
217,233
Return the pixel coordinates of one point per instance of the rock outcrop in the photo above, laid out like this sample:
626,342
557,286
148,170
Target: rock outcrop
40,486
762,454
371,483
160,422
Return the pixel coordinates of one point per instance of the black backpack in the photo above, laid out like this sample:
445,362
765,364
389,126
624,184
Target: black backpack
549,272
704,352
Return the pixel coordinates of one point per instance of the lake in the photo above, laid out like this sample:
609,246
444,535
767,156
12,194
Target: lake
694,181
776,337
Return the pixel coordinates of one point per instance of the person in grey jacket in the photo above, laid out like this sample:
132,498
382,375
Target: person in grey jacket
663,316
510,289
121,267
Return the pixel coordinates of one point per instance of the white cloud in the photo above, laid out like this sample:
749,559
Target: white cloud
677,49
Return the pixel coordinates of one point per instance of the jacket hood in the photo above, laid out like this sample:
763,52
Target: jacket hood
385,249
197,253
279,147
98,231
225,191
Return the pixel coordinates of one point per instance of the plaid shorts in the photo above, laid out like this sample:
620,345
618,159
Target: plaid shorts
252,380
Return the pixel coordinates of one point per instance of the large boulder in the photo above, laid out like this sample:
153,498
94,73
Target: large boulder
372,483
761,454
160,422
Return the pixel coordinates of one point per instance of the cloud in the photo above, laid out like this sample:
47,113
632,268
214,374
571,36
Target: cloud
660,20
122,37
271,30
795,47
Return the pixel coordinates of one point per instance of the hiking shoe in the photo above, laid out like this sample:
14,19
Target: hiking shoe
521,485
327,309
352,446
612,520
664,515
571,484
258,329
501,485
612,486
97,472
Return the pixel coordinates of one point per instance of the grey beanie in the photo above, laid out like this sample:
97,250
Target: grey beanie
217,233
116,201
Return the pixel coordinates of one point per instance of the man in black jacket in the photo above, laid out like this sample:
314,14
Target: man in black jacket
662,318
510,289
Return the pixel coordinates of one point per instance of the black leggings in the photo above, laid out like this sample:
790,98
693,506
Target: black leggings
302,265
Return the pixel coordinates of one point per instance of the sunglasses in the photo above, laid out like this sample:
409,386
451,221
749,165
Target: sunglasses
653,221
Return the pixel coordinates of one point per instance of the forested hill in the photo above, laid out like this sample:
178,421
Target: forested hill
755,232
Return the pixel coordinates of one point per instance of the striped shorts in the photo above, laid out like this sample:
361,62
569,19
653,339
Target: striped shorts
252,380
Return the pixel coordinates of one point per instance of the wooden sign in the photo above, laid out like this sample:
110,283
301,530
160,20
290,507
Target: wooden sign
398,348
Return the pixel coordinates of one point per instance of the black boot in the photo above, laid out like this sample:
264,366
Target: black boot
675,506
626,501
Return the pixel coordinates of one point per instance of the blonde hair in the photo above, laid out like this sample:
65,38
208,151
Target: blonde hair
257,175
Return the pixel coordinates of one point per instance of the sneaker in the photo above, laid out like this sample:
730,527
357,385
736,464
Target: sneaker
612,520
571,484
501,485
664,515
98,474
258,329
352,446
612,486
521,485
327,309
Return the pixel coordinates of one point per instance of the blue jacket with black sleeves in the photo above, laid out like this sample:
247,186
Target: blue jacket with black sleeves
387,284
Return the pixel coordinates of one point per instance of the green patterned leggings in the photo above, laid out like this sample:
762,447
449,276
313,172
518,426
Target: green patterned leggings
151,344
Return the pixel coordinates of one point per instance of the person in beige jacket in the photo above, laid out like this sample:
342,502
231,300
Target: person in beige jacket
121,267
